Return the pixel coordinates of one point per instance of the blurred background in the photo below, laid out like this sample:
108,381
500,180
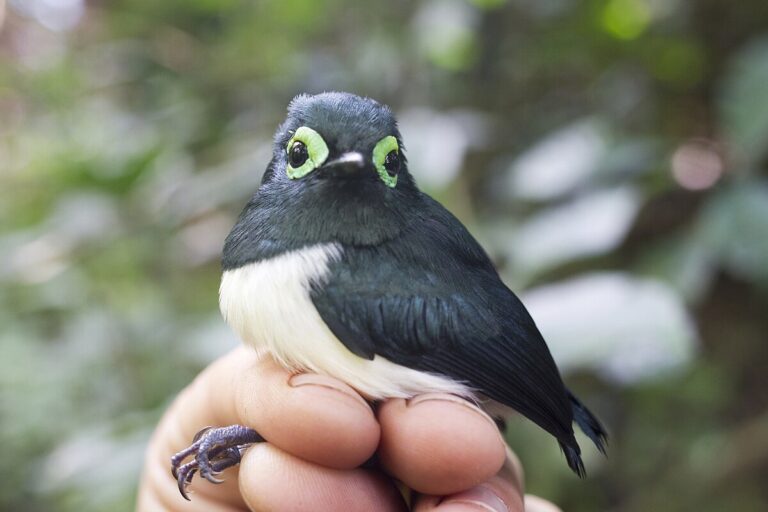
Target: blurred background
611,155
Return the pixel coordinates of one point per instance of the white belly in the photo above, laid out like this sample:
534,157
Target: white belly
268,304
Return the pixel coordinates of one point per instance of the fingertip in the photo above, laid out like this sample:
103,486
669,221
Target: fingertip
314,417
439,444
271,479
501,493
480,497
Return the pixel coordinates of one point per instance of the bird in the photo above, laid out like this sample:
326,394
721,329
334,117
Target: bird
340,265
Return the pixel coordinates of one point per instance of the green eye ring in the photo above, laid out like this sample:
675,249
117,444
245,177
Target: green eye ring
316,152
383,148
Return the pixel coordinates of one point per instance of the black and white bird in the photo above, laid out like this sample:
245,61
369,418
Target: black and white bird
340,265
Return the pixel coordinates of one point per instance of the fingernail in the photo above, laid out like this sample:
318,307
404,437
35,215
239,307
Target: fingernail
314,379
439,397
536,504
480,496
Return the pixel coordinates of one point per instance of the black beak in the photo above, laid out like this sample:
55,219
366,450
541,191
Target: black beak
347,164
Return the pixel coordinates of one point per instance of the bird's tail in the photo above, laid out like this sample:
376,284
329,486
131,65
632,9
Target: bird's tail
573,456
588,423
591,426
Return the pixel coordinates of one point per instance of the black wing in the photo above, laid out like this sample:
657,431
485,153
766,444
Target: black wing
431,300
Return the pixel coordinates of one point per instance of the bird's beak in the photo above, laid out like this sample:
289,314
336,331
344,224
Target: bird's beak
346,164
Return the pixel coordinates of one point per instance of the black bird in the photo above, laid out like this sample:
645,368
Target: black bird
340,265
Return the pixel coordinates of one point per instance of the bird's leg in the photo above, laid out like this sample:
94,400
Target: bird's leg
214,450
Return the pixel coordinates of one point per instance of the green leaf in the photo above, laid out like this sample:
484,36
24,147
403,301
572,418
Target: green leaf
734,226
744,103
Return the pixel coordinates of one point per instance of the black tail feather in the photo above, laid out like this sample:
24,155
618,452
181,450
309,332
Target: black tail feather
573,456
591,427
589,424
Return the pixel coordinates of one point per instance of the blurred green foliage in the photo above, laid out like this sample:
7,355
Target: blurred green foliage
610,154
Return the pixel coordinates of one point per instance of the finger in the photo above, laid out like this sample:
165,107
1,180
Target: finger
271,479
311,417
439,444
536,504
501,493
314,417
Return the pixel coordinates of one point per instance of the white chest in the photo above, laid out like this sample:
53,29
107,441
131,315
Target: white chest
268,304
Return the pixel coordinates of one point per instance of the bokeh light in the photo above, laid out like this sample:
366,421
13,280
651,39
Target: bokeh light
697,165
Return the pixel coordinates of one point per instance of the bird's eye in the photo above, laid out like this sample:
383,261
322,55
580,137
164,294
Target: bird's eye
306,152
298,154
392,163
386,158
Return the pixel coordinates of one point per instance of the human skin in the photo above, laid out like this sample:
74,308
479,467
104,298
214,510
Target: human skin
320,432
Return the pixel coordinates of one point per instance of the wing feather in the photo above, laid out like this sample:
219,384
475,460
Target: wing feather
431,300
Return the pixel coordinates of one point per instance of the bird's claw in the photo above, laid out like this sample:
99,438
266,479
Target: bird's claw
184,476
214,450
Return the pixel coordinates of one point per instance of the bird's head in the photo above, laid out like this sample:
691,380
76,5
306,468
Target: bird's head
341,143
338,173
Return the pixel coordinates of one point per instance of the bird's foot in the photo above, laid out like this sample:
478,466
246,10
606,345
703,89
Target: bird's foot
213,450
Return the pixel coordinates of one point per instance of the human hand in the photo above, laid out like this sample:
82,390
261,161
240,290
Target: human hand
320,431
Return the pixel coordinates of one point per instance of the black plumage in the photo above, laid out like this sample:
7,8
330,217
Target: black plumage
411,284
430,299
